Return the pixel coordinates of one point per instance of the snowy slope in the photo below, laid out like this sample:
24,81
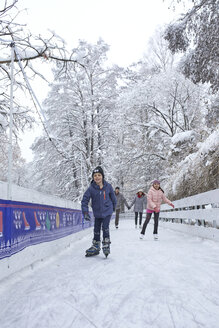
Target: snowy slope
173,282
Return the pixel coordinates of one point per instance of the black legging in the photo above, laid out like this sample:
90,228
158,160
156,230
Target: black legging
136,218
148,217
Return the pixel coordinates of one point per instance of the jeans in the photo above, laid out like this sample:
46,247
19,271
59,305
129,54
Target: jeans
136,218
148,217
104,223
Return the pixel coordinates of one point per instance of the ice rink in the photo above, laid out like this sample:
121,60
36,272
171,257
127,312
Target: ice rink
170,283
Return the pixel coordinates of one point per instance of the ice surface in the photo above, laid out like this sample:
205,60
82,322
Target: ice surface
172,282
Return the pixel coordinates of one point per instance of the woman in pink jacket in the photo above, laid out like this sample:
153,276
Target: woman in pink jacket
155,197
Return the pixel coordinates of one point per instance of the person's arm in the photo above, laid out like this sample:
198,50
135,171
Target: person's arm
133,202
113,198
145,202
125,201
167,201
85,200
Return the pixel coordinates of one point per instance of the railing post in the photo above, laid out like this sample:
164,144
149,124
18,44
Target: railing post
10,144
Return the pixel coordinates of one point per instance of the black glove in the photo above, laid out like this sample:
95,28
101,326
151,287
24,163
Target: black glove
129,207
87,217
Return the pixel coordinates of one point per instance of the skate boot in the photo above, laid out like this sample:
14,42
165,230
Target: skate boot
106,246
155,236
141,236
94,249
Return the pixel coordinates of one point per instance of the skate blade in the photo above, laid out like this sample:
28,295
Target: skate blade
106,253
89,254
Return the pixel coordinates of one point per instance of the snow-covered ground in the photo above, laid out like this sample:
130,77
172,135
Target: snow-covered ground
173,282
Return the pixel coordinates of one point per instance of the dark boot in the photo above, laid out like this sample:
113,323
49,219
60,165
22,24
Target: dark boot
94,249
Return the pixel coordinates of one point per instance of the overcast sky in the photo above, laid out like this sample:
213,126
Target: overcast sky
125,25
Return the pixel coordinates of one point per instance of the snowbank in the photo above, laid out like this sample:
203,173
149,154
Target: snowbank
198,172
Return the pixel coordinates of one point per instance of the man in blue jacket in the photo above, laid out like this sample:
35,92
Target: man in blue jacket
103,205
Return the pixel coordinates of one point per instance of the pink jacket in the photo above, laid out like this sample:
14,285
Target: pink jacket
155,198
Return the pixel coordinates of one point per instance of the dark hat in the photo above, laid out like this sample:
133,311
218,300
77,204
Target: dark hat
98,169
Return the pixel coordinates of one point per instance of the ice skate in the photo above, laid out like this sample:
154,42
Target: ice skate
94,249
155,236
136,226
139,226
141,236
106,246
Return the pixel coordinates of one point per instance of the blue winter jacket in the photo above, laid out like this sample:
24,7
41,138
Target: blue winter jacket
103,200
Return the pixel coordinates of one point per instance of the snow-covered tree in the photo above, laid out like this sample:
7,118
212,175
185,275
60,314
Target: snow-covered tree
212,117
28,51
149,114
79,109
197,34
158,55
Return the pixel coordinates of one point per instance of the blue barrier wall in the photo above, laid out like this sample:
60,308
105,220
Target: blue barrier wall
26,224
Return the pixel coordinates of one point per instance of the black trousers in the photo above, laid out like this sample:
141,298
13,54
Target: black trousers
148,217
136,218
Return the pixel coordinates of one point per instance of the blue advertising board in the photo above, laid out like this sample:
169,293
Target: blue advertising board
26,224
